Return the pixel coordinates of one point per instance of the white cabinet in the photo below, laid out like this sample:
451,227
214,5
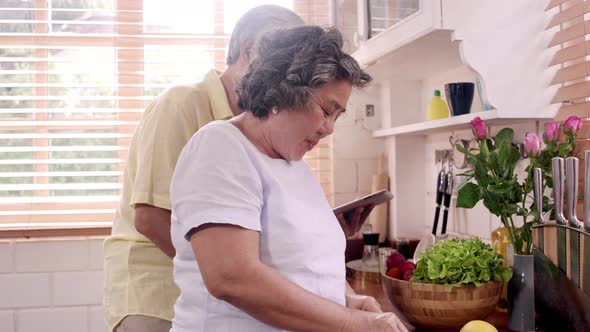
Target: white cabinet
410,21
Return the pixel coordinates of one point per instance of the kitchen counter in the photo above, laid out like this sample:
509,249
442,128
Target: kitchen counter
499,320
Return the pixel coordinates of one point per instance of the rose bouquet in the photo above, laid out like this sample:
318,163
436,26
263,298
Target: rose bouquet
492,178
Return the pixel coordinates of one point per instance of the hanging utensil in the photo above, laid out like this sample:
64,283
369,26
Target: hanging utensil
440,191
448,187
429,240
572,165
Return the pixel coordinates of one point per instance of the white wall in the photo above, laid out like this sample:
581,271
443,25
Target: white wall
51,285
355,151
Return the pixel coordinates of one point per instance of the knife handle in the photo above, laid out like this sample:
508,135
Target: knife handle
587,190
439,198
435,224
538,192
447,200
572,166
444,223
558,173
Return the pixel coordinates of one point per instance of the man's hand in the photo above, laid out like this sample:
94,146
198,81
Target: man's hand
352,222
363,302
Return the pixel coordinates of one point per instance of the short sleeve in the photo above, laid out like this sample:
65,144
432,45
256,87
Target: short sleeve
167,126
215,181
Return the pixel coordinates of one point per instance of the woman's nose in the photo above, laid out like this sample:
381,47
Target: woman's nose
328,127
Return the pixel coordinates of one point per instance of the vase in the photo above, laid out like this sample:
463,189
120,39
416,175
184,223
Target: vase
521,294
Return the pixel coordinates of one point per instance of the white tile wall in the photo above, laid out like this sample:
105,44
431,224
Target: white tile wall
51,285
6,257
96,320
72,319
95,260
56,256
7,320
72,288
21,290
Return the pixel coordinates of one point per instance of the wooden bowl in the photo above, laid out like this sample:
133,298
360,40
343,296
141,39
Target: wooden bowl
433,307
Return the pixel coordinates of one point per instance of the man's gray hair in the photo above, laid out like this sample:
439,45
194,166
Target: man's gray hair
255,22
291,65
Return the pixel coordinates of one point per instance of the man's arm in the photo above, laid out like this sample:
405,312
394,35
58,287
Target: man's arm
154,223
167,125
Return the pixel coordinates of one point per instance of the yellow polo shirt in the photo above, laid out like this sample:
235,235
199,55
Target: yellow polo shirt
138,275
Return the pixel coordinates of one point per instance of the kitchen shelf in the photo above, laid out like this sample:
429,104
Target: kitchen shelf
460,122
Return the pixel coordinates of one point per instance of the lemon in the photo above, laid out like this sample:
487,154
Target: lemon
478,326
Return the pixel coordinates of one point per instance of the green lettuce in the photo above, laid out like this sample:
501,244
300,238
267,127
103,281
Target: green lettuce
457,262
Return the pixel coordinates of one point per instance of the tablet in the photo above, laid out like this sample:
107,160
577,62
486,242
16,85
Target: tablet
375,198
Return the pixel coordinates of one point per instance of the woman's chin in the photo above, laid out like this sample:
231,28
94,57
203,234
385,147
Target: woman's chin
296,156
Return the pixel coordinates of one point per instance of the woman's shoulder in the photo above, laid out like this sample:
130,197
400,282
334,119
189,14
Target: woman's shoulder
219,134
219,129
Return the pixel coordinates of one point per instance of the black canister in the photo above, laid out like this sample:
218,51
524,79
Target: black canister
459,97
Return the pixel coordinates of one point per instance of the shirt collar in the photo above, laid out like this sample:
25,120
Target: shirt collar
216,92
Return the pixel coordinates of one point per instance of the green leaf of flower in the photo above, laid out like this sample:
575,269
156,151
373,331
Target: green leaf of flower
564,150
468,196
493,202
480,172
504,137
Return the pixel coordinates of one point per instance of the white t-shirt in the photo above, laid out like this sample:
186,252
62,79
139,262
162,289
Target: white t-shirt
221,177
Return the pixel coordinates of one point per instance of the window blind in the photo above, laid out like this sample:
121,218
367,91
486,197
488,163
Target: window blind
75,77
572,27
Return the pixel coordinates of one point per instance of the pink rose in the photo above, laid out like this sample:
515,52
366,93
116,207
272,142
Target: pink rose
572,125
551,131
532,145
478,126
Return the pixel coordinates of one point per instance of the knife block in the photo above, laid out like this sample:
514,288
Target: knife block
562,292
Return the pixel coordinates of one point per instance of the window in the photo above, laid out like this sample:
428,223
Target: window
75,76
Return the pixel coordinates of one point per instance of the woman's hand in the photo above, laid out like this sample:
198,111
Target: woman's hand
363,302
352,222
386,322
375,322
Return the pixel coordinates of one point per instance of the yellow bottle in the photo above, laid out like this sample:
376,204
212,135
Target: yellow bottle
437,108
500,243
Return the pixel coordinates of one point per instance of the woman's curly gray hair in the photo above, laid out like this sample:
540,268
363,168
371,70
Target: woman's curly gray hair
292,64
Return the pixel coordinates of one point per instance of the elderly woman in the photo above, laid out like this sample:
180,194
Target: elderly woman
257,245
